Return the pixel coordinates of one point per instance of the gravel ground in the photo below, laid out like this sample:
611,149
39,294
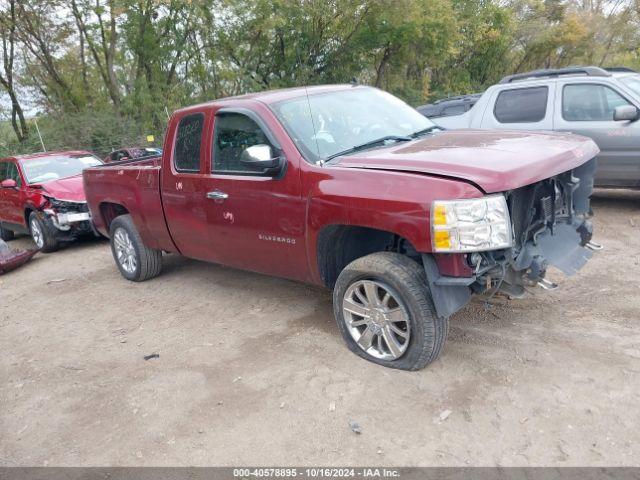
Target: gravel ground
252,369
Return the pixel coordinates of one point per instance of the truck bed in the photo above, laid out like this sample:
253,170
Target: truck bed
133,186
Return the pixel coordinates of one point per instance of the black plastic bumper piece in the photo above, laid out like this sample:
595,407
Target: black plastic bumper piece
561,248
449,294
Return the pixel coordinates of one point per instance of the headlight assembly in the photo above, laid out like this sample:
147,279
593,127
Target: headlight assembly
65,206
471,225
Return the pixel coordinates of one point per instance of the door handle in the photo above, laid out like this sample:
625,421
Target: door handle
217,195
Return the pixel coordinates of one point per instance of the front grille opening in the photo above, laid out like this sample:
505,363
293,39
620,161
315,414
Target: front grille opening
535,207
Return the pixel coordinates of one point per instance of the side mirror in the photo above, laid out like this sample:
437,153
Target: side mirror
625,112
9,183
260,158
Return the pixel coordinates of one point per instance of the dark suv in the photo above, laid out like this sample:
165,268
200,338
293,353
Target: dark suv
449,106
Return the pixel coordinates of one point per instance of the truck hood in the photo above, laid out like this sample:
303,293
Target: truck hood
493,160
70,189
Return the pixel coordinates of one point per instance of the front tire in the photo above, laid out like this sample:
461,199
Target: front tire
5,234
43,235
385,313
134,259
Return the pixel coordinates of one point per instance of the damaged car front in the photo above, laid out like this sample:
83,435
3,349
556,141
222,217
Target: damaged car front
58,211
510,239
528,208
70,218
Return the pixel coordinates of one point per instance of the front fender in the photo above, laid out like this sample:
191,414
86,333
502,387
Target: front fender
394,202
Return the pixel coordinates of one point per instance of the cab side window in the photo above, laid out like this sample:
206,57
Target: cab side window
9,170
521,105
233,133
186,156
590,102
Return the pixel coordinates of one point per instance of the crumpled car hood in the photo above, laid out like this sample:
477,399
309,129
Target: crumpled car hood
493,160
71,189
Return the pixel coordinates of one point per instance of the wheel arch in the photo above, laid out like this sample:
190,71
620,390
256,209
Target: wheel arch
337,245
109,211
28,210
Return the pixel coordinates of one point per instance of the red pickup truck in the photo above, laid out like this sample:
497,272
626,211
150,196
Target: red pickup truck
348,187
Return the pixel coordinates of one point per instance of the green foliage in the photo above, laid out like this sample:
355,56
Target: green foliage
103,72
482,50
99,132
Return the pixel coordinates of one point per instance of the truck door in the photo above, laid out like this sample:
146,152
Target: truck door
255,221
183,189
586,108
520,108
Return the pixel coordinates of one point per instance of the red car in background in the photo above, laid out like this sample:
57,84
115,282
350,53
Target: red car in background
131,153
42,195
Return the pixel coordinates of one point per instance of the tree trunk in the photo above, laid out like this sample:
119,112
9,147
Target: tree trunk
382,66
8,31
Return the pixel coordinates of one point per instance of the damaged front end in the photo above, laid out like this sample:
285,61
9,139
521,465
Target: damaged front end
69,219
550,227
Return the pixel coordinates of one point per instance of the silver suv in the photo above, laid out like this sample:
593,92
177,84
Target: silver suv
603,104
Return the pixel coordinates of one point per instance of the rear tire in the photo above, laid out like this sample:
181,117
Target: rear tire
385,312
5,234
134,259
43,235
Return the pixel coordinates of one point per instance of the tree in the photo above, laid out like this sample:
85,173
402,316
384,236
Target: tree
98,65
480,53
47,37
101,38
8,34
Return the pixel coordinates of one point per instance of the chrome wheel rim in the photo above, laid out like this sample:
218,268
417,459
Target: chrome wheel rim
376,319
125,252
36,234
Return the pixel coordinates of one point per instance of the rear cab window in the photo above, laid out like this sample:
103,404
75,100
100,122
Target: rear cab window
186,153
521,105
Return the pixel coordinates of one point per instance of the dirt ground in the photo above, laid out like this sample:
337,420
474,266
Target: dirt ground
252,369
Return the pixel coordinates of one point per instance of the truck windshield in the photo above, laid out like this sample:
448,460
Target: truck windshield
323,125
633,82
45,169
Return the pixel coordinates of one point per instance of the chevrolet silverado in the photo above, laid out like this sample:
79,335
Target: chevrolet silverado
348,187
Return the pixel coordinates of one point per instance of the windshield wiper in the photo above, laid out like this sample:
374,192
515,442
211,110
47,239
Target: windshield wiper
372,143
424,131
